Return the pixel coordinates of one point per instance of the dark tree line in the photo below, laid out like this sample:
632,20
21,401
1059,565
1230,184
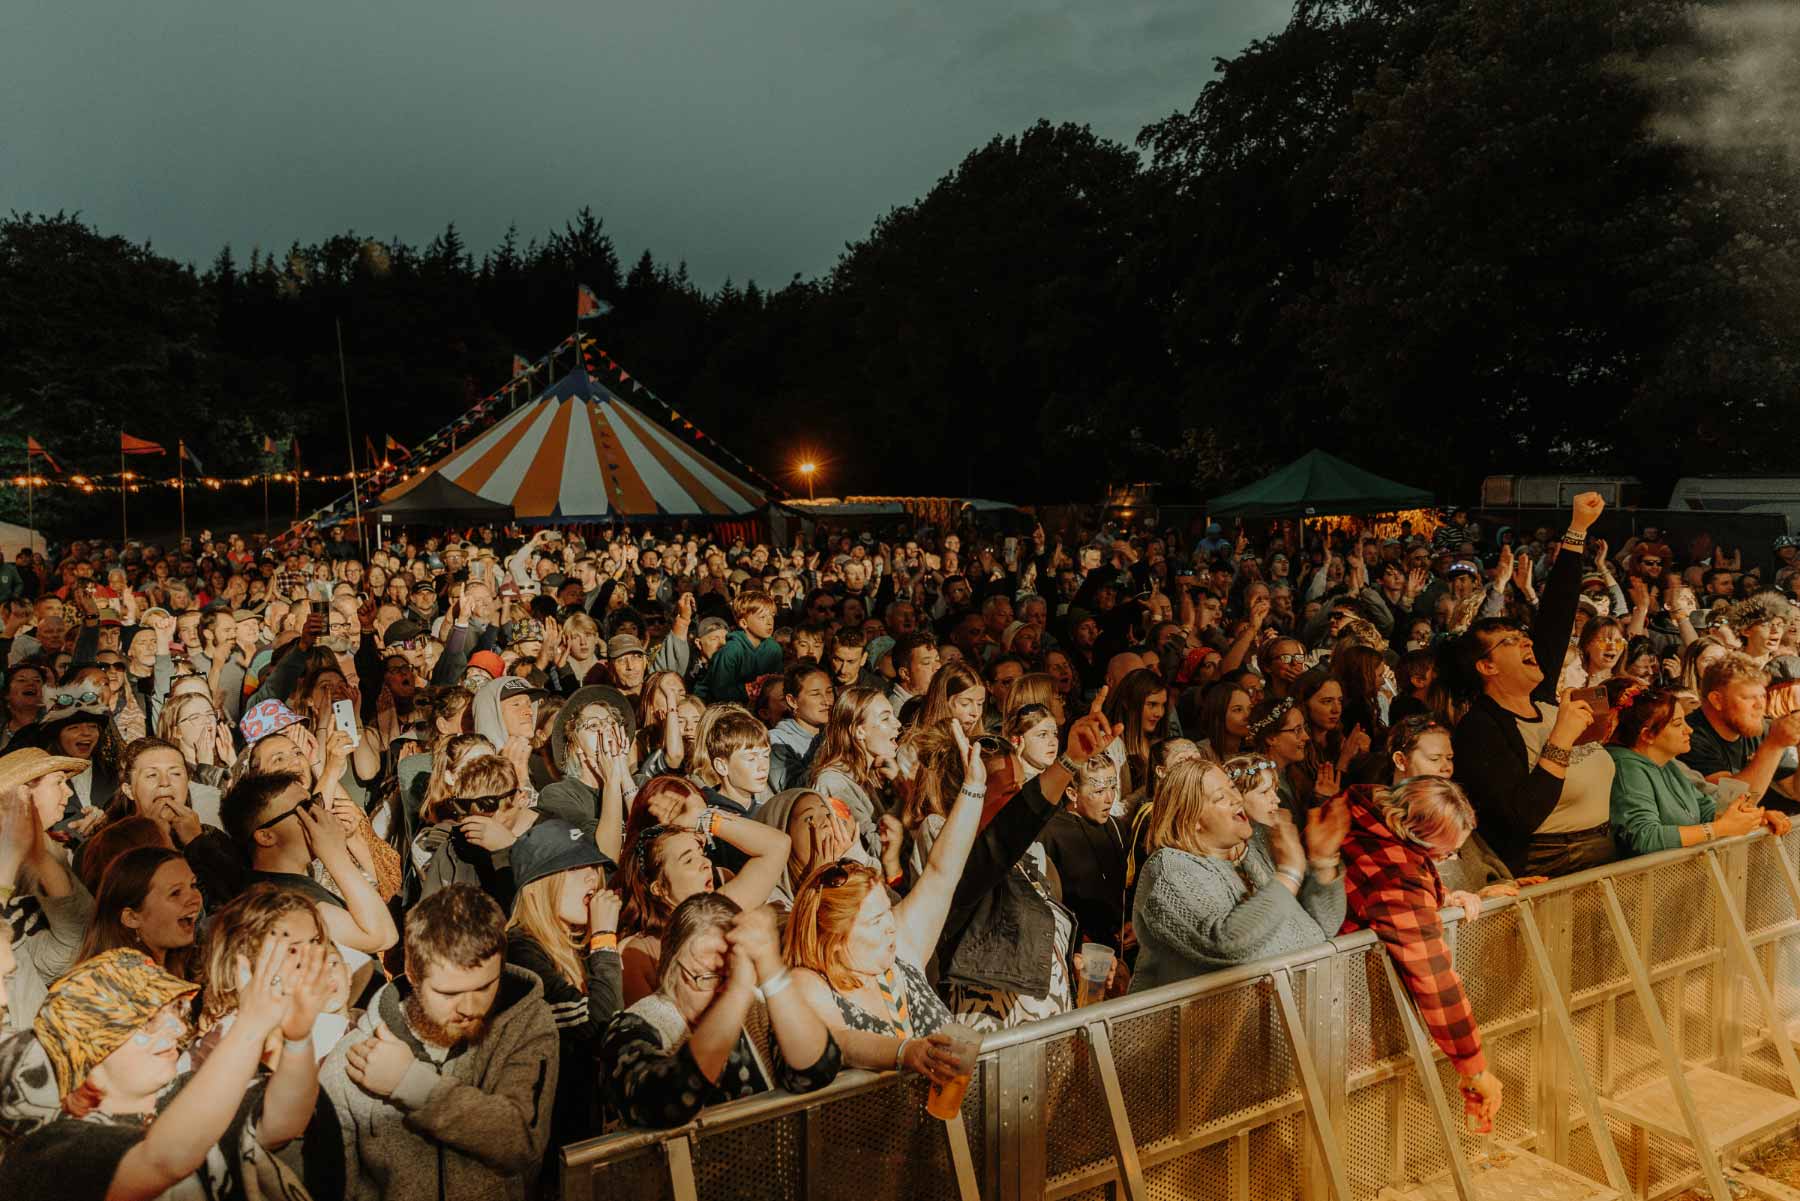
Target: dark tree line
1443,238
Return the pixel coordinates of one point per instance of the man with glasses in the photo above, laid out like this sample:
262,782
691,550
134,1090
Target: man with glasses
282,830
1543,798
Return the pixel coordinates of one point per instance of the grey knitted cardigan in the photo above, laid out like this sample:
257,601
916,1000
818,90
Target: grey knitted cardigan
1194,914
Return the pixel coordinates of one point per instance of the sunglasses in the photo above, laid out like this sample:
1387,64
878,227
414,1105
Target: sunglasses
67,700
838,874
486,806
411,644
310,804
1032,710
1290,658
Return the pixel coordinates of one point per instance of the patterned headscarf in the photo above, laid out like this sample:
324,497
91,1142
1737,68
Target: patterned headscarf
91,1012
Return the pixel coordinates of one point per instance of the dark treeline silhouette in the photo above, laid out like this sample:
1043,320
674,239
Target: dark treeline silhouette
1440,238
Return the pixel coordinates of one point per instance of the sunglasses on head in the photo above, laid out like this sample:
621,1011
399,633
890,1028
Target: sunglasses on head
68,700
1032,710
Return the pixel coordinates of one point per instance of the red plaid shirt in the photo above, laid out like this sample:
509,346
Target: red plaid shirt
1392,887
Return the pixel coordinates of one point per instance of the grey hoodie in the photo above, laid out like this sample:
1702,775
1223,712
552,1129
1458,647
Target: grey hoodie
474,1129
486,708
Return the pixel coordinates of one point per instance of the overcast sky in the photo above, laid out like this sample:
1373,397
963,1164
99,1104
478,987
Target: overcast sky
751,138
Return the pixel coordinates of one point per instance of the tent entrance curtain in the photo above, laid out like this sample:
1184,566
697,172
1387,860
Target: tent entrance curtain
1318,484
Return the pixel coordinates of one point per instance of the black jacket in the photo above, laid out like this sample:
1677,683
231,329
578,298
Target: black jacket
999,932
1511,795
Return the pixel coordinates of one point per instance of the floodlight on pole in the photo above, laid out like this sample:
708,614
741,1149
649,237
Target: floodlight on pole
807,469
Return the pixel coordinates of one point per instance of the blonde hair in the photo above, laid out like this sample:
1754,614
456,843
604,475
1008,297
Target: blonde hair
1032,688
535,915
168,722
240,929
442,785
582,622
1419,806
1181,798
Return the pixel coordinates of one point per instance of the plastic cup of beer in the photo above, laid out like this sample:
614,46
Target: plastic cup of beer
945,1100
1096,966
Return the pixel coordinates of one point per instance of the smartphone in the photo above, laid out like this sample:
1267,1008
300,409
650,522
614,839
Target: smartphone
343,716
991,744
1595,697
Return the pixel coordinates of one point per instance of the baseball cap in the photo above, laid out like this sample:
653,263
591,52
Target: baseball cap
550,846
710,625
489,662
623,644
404,630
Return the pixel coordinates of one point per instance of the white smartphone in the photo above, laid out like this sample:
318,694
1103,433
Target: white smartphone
343,716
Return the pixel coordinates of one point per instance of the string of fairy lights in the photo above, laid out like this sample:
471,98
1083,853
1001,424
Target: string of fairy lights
132,481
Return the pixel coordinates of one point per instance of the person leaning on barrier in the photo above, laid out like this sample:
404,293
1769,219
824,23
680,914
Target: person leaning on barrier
1543,796
685,1045
1658,803
1397,837
1216,891
1734,738
858,958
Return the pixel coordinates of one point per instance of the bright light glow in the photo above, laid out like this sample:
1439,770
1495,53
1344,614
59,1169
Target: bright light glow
808,468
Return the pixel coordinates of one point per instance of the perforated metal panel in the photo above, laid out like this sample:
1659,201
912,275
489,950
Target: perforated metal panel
1203,1173
1048,1133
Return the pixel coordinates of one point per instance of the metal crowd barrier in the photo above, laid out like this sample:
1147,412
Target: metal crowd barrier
1637,1014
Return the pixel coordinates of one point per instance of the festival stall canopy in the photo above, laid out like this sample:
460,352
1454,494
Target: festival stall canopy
1318,484
431,499
580,453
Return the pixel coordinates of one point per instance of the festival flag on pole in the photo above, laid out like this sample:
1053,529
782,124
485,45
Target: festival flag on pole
393,444
268,445
588,305
138,446
520,366
35,450
188,454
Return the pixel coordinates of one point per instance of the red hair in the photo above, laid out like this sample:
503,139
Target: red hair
82,1100
640,817
818,930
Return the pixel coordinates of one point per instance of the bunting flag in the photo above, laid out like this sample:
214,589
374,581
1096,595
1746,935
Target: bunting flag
268,445
35,450
369,455
520,366
588,305
187,453
138,446
394,445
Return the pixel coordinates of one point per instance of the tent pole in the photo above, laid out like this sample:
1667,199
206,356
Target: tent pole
362,535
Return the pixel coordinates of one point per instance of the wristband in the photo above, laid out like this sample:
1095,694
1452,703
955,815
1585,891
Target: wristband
703,826
1288,873
1707,829
775,987
895,880
900,1055
1067,764
298,1045
603,940
1575,537
1558,755
1326,865
974,794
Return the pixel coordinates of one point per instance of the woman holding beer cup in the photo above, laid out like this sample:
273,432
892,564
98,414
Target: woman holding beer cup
857,957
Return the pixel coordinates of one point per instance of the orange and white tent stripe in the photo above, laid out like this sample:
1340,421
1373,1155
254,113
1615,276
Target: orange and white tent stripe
579,452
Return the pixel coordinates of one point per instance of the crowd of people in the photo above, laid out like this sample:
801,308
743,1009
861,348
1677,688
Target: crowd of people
389,872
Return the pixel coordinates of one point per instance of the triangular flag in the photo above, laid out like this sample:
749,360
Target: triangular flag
138,446
588,305
268,445
35,449
520,366
393,444
188,454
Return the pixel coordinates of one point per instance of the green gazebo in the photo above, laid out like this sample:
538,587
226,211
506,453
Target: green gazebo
1318,484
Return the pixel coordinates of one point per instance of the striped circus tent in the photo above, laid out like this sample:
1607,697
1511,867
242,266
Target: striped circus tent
580,453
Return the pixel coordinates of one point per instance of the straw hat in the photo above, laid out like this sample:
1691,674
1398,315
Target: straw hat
34,763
